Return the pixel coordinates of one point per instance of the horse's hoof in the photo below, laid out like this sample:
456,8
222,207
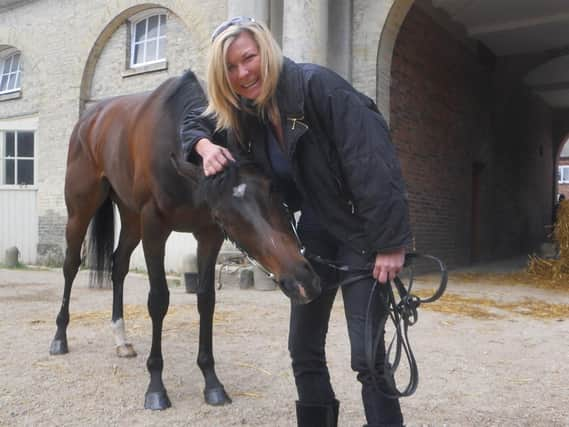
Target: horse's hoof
157,401
216,396
58,347
126,350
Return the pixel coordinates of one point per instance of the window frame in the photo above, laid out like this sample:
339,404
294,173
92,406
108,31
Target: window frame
20,124
133,22
5,55
560,170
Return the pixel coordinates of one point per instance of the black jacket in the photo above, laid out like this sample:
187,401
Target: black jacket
341,154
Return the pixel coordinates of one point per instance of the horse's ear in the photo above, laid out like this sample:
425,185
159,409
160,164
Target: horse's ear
186,169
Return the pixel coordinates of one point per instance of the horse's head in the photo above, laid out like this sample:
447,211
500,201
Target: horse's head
243,203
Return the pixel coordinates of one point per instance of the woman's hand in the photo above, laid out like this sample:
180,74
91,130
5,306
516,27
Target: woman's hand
388,265
215,158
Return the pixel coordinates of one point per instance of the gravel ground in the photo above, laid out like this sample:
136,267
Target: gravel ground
507,368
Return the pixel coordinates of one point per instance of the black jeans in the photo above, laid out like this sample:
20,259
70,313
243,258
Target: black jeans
309,325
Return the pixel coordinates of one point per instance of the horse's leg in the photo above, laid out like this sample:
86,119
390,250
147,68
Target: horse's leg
83,198
128,239
154,236
209,243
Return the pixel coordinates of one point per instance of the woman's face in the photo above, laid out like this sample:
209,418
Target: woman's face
244,66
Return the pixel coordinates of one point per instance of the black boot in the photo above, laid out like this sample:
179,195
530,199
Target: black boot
317,415
380,411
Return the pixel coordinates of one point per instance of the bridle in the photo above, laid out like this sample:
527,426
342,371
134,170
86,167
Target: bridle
250,258
403,312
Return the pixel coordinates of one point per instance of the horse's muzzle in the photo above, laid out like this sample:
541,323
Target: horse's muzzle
301,292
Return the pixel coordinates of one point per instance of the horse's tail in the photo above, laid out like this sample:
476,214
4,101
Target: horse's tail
101,244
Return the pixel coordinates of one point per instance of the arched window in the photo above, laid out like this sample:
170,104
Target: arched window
10,71
148,39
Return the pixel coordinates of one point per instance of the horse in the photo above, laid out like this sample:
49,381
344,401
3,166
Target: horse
126,151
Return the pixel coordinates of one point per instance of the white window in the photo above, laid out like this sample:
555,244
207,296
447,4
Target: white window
148,40
10,71
563,175
17,157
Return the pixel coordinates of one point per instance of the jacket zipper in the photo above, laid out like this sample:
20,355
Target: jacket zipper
343,193
351,204
296,120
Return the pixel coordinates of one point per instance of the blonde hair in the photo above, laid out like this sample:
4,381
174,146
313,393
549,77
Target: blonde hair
224,103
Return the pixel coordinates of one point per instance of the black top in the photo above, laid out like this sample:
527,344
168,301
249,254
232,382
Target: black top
282,171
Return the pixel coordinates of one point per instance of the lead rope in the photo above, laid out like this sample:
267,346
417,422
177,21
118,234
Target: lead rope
402,314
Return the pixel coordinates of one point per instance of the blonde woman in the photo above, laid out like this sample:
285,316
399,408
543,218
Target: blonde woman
328,149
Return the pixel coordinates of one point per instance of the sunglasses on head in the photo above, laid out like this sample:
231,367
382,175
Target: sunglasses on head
238,20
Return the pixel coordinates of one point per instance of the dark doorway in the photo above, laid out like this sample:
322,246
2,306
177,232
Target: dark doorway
477,168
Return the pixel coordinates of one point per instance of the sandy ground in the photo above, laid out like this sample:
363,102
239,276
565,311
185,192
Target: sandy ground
498,365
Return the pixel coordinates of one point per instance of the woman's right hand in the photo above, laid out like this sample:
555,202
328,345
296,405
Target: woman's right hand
214,157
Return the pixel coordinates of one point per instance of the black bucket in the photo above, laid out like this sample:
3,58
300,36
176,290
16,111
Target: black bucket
191,282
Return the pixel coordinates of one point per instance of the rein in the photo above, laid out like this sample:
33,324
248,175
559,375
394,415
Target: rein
403,314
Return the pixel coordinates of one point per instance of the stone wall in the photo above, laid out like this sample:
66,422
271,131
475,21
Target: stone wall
111,75
74,52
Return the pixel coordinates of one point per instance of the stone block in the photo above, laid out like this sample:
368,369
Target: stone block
246,278
12,258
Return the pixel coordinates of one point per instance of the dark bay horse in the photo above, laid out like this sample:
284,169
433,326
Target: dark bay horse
126,152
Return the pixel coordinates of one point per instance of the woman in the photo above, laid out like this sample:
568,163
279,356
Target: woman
328,149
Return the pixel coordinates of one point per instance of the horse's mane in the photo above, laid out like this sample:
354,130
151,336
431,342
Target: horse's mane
210,188
179,92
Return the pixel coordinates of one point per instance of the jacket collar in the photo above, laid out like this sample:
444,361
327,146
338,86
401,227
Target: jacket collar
290,89
290,99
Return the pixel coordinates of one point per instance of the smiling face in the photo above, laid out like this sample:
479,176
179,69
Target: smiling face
244,66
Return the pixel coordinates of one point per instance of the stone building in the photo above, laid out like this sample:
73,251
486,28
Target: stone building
474,94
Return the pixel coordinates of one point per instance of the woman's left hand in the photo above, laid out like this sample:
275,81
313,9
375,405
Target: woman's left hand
388,265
